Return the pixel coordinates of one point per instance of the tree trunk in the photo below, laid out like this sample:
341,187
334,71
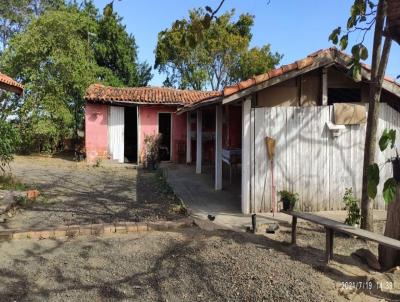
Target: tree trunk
389,257
378,69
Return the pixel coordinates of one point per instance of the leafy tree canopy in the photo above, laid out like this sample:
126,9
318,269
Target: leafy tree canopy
362,19
8,140
52,56
201,53
16,14
117,50
61,51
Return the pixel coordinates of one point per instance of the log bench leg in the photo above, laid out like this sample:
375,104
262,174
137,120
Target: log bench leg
329,244
294,228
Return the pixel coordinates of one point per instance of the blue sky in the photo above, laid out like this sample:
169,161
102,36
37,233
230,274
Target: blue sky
292,27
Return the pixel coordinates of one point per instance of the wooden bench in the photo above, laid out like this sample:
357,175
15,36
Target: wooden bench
332,226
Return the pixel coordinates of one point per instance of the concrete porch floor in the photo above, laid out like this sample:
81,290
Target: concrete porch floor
197,191
198,194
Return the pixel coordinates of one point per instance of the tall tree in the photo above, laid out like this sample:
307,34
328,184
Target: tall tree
116,50
61,50
15,15
364,15
380,57
54,60
203,52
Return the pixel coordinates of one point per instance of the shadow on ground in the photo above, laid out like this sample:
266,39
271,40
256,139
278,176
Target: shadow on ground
191,265
74,193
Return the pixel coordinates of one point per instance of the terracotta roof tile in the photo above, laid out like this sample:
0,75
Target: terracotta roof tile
247,83
261,78
275,73
289,67
147,95
11,83
305,62
228,90
390,79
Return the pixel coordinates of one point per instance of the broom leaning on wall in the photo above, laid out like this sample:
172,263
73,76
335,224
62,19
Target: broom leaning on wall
270,144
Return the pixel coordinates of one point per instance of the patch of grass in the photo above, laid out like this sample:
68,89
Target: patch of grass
179,209
176,205
10,182
163,185
22,201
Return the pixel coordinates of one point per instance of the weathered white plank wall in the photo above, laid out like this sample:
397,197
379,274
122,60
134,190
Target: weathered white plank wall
116,125
309,160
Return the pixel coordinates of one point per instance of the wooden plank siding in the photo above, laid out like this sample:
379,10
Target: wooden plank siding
309,160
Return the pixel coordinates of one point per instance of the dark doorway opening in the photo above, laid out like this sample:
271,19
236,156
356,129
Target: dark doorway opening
344,95
131,141
164,128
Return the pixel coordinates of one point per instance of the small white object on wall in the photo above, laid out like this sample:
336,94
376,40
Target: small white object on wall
335,129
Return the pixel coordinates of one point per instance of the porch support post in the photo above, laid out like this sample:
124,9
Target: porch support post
199,141
246,155
188,138
218,147
324,87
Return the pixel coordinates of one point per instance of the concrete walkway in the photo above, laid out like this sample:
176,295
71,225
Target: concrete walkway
198,194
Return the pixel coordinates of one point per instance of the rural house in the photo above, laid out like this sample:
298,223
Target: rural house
117,120
312,109
316,114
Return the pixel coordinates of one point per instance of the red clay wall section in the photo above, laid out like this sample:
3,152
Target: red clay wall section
148,125
96,131
232,136
96,134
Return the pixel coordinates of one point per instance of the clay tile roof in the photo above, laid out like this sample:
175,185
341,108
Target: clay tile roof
298,65
147,95
329,53
10,84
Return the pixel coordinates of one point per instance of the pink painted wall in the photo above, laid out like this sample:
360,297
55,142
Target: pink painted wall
148,124
96,131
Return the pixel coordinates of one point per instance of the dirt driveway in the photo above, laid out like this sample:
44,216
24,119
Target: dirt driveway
190,265
186,265
74,193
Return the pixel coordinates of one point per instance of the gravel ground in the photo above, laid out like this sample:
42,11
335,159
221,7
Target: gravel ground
187,265
190,265
75,193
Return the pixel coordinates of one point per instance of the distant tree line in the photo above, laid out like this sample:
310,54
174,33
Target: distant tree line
57,48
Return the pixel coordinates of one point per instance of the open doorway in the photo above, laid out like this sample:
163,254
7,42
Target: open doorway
164,128
130,137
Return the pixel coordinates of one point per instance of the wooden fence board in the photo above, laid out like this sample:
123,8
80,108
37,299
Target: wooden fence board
309,160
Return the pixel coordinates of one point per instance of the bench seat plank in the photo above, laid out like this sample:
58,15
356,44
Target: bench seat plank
343,228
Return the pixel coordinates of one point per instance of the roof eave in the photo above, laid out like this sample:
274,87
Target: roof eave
12,88
127,103
200,104
320,62
339,59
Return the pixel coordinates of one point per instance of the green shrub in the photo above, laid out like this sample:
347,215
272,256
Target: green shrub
353,210
288,198
10,182
151,149
8,142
